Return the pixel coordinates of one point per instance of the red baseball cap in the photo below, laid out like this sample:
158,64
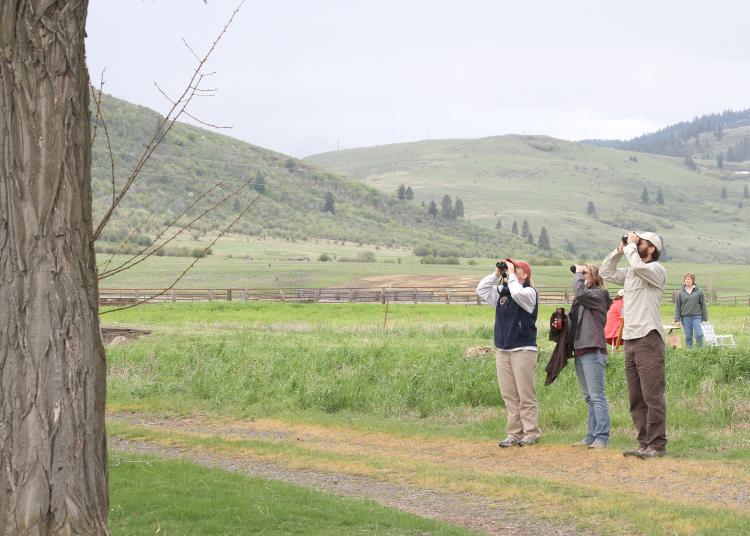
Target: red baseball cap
522,265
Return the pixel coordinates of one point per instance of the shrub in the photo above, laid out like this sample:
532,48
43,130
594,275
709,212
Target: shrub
324,257
362,256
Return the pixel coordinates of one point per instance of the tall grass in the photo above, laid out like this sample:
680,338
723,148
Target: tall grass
275,359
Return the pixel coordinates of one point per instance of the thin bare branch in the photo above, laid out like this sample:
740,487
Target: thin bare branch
177,280
98,103
128,262
127,239
185,112
190,49
178,233
100,117
169,120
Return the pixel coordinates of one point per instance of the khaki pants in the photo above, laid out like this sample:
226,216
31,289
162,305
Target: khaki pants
644,372
515,375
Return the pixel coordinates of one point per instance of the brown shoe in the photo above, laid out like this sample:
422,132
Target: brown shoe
651,453
635,452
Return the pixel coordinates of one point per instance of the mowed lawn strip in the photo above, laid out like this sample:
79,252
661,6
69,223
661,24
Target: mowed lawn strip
150,496
589,507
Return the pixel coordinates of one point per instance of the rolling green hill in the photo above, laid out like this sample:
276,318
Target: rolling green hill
550,182
191,159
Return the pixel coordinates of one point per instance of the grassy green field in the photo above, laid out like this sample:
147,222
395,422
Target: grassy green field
331,362
335,368
241,262
549,183
153,496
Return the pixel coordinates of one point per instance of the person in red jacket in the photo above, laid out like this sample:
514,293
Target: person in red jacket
614,319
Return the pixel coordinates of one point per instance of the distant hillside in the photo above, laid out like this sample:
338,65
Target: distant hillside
291,207
686,138
585,196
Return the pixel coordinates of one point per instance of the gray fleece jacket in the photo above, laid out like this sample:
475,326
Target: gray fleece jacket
592,314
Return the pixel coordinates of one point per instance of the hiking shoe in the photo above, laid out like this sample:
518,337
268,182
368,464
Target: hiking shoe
582,443
508,442
527,440
598,444
634,452
651,453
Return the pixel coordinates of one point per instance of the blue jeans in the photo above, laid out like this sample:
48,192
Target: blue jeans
692,325
590,372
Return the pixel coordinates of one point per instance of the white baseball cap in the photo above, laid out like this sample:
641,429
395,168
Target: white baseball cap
651,237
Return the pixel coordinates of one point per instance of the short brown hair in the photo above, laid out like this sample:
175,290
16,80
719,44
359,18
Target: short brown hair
691,276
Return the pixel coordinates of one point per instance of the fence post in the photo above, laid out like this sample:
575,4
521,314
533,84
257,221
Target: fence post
282,294
174,295
351,295
210,294
317,295
137,296
415,295
229,294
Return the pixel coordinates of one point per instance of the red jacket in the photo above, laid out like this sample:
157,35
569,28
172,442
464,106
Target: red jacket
614,320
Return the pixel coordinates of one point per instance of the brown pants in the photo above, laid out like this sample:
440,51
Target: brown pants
515,375
644,372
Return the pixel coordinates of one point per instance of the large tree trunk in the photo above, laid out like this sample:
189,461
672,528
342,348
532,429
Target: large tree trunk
53,453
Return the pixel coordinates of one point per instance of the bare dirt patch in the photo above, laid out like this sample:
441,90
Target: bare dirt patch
115,335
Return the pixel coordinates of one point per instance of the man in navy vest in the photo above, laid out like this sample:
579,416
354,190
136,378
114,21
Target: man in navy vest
516,306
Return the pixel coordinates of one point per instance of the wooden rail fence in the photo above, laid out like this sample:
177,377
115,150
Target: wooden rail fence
438,295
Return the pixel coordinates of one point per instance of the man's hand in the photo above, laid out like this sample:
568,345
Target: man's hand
497,270
511,267
633,238
580,269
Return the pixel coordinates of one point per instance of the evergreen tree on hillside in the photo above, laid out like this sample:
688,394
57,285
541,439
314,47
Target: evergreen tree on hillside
570,247
544,240
458,209
401,192
745,192
740,152
660,197
525,232
290,165
719,134
723,194
530,239
644,196
446,207
591,209
330,204
720,161
432,211
514,229
260,183
409,193
499,224
690,163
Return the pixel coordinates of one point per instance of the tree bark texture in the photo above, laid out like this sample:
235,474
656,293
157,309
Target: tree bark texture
53,452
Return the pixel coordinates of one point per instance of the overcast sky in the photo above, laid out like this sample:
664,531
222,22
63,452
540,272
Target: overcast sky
301,76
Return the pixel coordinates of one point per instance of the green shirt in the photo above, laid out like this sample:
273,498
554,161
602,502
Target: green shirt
690,304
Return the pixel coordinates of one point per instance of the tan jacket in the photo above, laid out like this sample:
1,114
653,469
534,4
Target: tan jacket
644,285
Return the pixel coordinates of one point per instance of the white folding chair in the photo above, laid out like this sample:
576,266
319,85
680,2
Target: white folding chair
712,339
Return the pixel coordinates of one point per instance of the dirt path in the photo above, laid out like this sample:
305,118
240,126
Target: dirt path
463,509
691,482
